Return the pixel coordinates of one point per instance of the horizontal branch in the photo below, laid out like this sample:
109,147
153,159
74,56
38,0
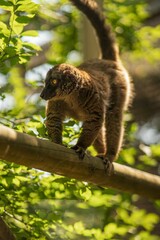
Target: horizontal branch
33,152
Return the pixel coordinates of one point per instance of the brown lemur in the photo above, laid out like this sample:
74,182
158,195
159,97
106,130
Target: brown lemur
96,93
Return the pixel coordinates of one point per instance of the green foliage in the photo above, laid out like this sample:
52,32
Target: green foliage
38,205
127,19
65,35
35,200
43,206
15,16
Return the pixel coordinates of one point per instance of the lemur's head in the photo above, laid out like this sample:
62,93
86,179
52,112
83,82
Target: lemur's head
60,81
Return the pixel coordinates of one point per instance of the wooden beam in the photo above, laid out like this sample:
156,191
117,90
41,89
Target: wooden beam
33,152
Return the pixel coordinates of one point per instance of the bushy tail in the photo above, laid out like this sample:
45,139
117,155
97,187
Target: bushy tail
106,39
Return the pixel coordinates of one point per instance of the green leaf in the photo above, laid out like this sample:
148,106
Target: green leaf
85,193
2,45
24,19
6,5
110,229
79,227
31,33
24,58
128,155
4,29
27,6
16,182
13,1
150,220
148,160
4,182
136,217
10,50
15,26
31,46
156,150
14,60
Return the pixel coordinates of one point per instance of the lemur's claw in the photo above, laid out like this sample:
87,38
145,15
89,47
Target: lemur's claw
108,166
79,150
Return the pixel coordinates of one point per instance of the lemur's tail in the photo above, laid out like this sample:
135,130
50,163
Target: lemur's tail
106,38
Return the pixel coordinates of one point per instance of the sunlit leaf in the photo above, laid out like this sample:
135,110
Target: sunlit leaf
6,5
148,160
30,33
24,20
156,150
85,193
4,29
32,46
27,5
15,26
16,182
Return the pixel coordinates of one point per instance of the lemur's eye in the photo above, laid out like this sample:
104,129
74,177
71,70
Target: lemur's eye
54,82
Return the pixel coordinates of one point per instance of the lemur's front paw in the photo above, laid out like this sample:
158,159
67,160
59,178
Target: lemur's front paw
79,150
108,165
107,162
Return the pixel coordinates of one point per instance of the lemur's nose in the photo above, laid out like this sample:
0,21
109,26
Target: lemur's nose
42,95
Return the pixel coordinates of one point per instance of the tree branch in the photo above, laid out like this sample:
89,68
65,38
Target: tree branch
36,61
33,152
5,232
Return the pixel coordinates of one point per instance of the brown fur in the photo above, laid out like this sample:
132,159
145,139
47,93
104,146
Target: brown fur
97,93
